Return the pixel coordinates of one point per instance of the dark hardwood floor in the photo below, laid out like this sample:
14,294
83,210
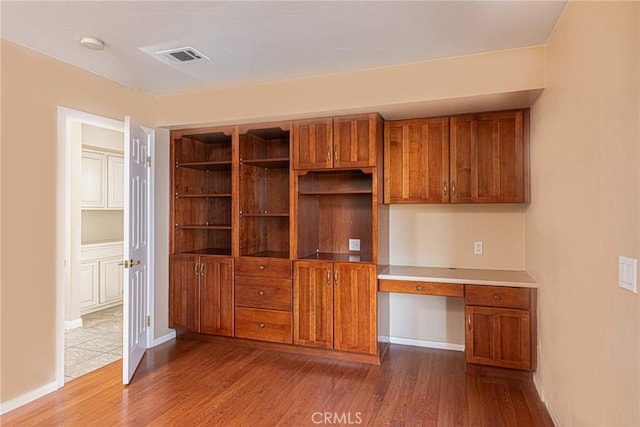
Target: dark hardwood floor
192,383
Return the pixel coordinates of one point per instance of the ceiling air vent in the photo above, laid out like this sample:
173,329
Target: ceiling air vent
182,54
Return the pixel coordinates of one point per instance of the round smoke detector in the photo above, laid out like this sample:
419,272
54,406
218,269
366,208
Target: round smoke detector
92,43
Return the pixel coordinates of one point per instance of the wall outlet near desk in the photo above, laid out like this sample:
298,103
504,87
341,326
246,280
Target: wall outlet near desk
478,248
354,244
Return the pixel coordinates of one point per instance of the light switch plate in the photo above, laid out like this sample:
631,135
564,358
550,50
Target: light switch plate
478,248
628,274
354,244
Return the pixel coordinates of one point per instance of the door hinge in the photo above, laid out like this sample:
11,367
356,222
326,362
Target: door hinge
148,321
148,162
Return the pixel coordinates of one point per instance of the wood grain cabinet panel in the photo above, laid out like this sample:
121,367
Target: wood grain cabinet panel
313,144
264,325
417,161
487,158
263,292
335,306
201,294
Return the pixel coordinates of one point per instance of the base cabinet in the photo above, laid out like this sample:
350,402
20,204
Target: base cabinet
335,306
101,276
201,294
500,329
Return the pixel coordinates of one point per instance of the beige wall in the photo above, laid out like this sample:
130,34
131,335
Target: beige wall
96,137
105,225
33,86
493,79
585,135
443,236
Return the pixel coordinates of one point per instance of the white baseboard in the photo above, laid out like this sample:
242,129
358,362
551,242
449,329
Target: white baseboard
427,344
30,396
542,398
73,324
383,338
163,339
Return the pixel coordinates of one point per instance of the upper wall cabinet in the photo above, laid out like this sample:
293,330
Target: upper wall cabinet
339,142
474,158
102,185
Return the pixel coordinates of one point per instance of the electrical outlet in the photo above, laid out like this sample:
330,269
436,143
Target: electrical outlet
478,248
354,244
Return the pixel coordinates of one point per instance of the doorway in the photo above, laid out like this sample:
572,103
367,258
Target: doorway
91,248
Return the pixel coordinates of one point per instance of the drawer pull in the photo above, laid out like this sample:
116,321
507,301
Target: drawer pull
261,293
419,288
497,297
261,325
261,267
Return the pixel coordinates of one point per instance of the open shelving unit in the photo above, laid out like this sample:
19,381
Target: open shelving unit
333,207
264,192
202,188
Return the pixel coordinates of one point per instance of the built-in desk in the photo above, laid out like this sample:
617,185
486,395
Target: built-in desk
500,308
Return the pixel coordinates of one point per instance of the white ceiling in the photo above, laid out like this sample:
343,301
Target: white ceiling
260,41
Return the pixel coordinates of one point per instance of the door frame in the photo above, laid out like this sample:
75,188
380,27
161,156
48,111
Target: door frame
65,206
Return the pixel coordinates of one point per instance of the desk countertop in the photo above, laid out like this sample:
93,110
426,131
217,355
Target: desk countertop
466,276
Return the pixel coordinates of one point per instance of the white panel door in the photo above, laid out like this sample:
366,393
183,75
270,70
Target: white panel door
92,185
136,246
115,182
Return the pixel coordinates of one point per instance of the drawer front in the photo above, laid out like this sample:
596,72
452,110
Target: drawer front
264,267
263,325
497,296
263,292
422,288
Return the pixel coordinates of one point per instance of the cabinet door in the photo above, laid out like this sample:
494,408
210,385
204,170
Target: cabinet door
498,337
313,304
313,144
115,182
354,310
184,293
88,284
216,295
110,280
487,158
93,185
417,161
354,141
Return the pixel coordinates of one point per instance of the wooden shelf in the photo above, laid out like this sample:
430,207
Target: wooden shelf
265,215
269,163
208,251
210,166
339,257
203,227
269,254
332,192
202,196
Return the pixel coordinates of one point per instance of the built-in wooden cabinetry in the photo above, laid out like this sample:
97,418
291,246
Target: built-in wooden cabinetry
473,158
501,326
267,197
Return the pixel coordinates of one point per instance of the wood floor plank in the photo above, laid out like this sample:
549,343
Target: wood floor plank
187,382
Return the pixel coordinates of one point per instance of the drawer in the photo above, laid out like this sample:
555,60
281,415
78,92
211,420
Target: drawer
263,292
263,325
421,288
497,296
265,267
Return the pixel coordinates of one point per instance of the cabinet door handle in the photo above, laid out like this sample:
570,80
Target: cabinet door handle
328,153
195,269
335,153
202,269
453,188
444,188
261,293
328,277
335,277
469,322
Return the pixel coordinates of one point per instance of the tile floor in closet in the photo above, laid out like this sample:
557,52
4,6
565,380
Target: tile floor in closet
97,343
